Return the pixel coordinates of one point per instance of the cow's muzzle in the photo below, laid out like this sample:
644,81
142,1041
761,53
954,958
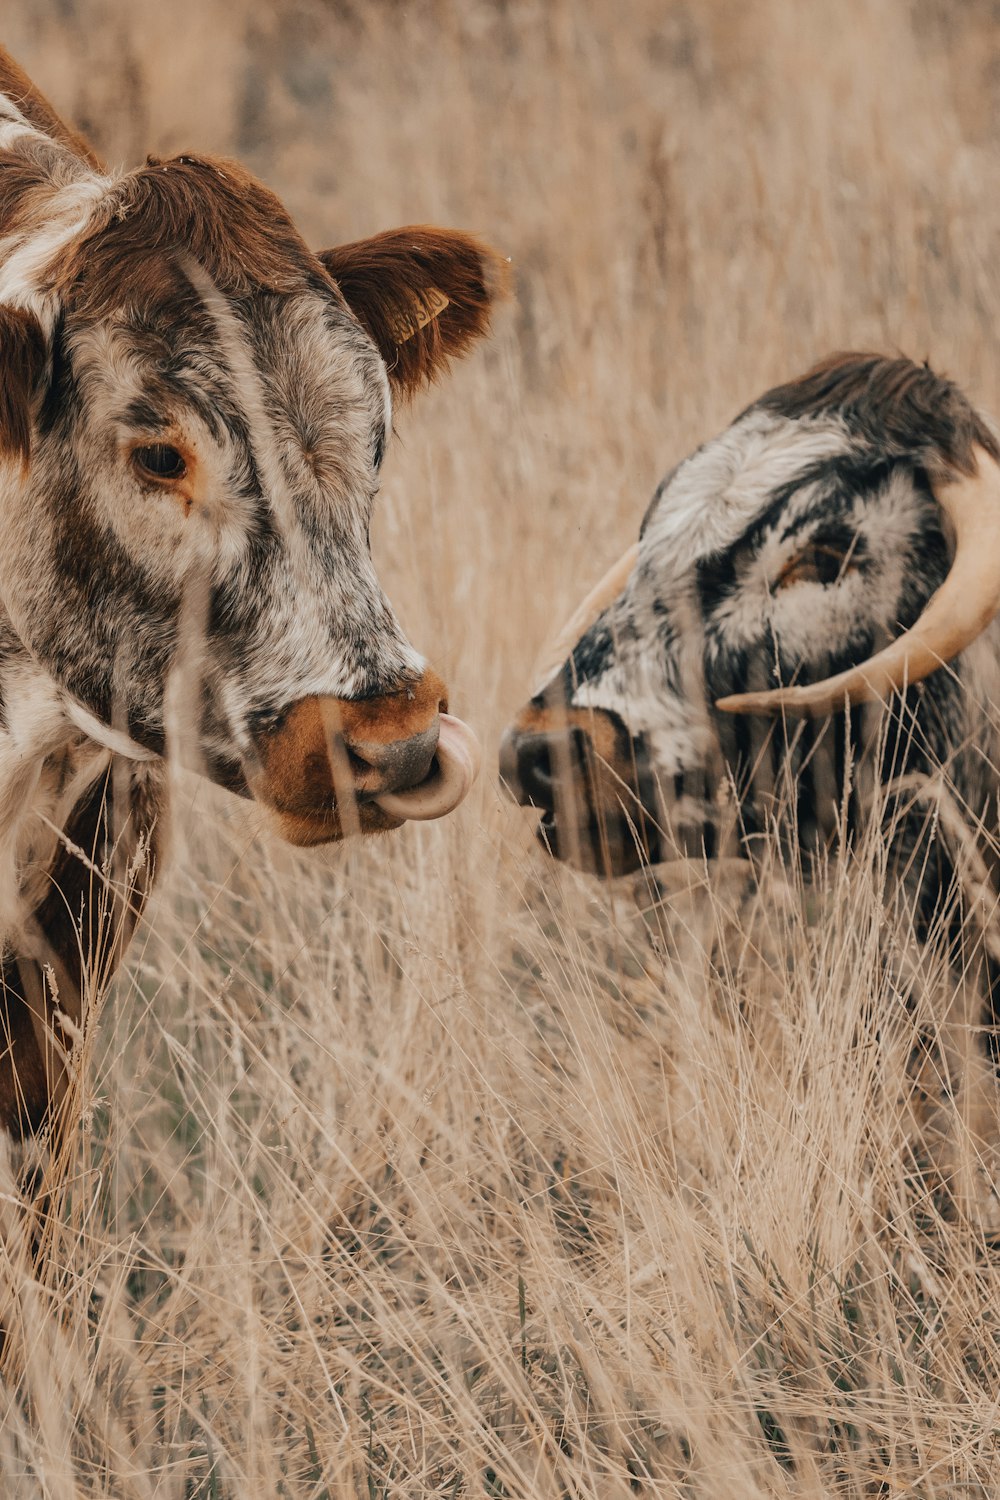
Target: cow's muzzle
583,773
327,767
604,807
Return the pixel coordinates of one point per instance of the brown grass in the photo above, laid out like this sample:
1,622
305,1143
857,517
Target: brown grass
425,1168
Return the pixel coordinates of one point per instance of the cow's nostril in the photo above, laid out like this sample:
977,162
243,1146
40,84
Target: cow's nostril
531,764
357,763
536,773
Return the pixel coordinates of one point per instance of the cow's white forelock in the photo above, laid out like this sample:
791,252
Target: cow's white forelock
27,254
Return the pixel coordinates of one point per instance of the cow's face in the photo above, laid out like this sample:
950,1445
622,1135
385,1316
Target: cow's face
791,548
192,461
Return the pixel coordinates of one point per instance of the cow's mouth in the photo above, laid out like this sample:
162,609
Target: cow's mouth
608,814
623,835
613,842
453,769
597,810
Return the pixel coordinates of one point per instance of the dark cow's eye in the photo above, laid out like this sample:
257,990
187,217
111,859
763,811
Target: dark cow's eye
158,461
819,562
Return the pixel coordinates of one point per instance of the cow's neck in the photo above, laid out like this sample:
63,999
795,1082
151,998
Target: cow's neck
77,842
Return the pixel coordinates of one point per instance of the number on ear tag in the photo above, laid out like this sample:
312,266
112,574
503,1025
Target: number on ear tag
432,306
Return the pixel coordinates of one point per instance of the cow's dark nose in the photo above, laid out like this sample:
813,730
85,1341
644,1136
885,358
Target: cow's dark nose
398,765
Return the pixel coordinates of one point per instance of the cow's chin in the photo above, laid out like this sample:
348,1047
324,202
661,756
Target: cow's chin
609,847
306,830
611,840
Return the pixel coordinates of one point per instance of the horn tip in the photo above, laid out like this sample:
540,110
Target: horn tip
750,703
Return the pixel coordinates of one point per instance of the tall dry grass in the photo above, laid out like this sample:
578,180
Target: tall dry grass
424,1167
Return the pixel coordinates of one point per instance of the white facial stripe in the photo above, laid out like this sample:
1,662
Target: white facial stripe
711,500
716,493
303,660
247,381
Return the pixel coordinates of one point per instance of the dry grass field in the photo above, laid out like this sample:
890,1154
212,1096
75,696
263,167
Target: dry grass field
427,1168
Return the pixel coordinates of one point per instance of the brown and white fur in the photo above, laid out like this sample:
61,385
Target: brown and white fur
194,409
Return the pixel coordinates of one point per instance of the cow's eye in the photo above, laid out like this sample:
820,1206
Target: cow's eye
819,562
159,461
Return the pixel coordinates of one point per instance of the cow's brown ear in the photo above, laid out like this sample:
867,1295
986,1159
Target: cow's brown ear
23,359
423,294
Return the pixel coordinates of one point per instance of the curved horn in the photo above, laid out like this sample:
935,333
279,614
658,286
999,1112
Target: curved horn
954,616
600,596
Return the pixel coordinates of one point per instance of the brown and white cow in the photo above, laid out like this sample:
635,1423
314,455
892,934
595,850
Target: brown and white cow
194,410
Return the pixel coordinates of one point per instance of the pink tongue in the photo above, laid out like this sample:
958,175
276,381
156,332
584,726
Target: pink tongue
455,768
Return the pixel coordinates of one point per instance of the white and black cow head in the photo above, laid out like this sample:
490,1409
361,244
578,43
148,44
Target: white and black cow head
788,550
194,410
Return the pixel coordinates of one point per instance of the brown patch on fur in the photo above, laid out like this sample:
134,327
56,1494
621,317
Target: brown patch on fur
211,210
298,777
15,83
25,190
23,360
897,406
396,716
423,294
318,757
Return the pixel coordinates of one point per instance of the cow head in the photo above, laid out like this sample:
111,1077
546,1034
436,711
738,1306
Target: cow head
841,537
194,412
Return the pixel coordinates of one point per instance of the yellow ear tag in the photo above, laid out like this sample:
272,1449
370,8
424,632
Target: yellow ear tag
432,307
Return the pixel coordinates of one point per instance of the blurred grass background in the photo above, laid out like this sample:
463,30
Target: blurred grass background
425,1168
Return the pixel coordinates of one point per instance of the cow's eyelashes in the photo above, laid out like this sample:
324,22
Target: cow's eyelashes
160,462
818,562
